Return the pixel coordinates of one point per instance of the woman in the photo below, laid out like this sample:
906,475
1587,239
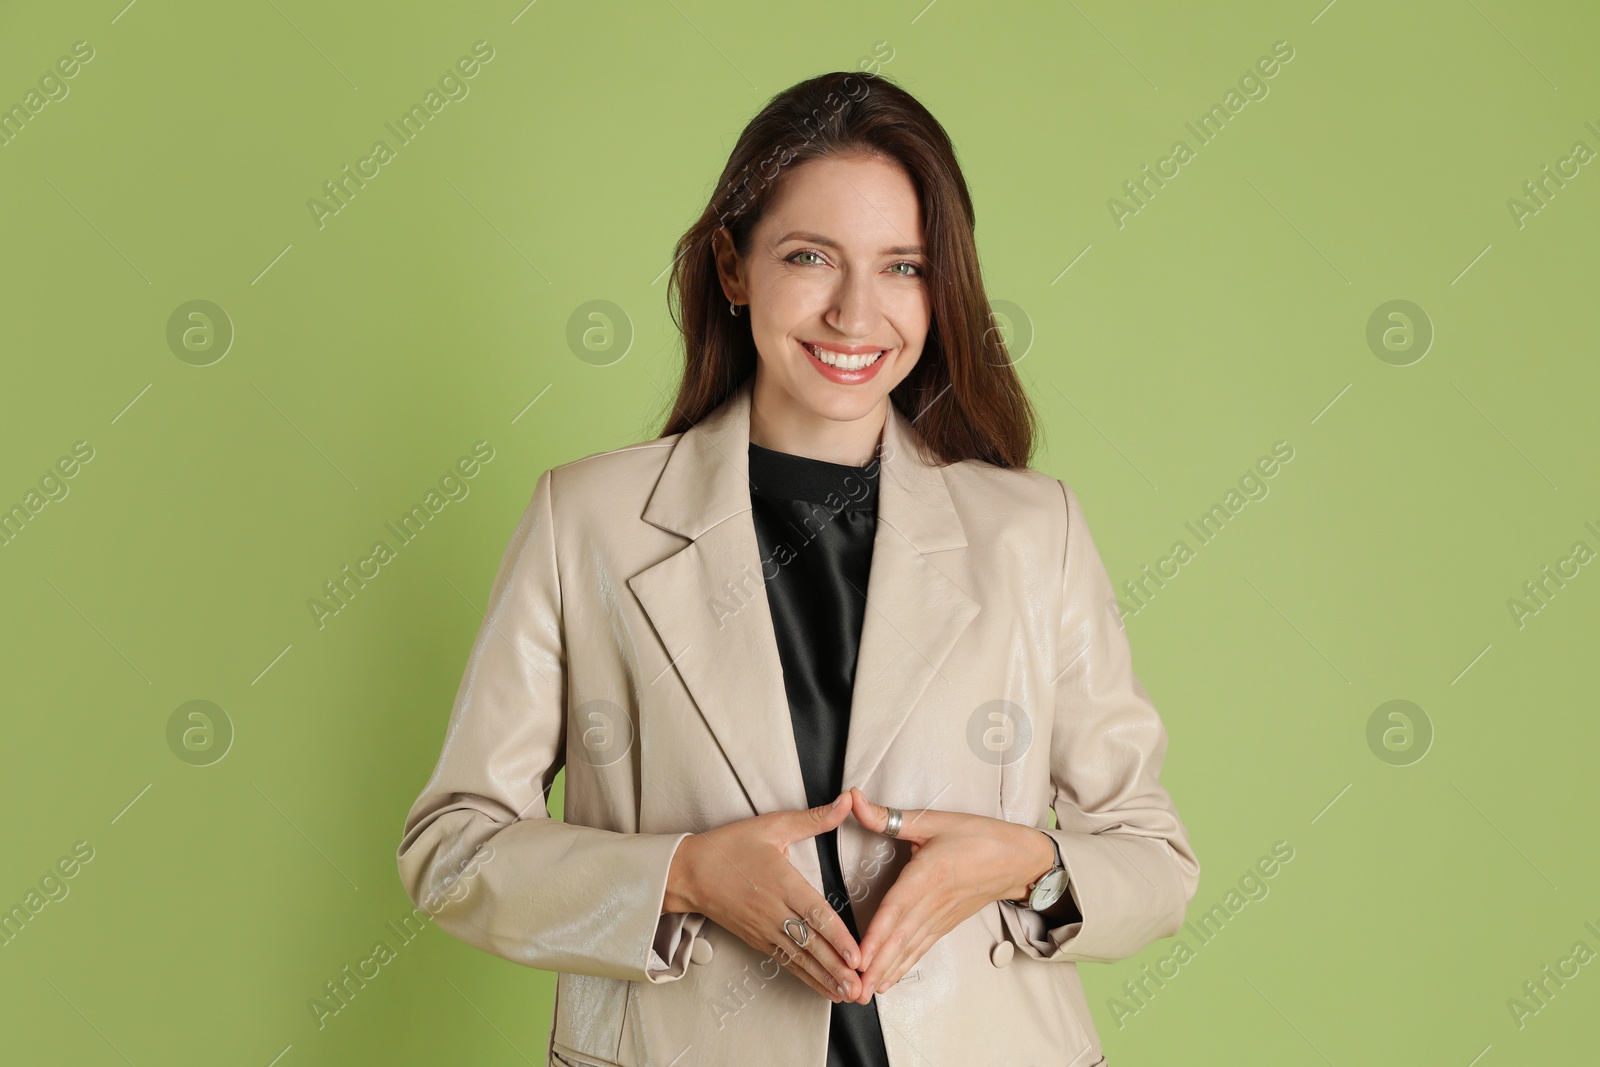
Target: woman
818,663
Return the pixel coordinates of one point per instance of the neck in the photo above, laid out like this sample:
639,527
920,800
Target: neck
801,432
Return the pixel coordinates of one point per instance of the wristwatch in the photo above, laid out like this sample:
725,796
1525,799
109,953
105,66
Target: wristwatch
1050,886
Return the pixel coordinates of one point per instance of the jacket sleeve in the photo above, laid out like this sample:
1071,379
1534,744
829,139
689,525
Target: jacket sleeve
1130,867
480,852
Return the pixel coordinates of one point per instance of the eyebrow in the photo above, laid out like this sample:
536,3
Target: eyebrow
819,239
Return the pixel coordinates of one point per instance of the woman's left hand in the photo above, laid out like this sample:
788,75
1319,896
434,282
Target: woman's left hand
960,863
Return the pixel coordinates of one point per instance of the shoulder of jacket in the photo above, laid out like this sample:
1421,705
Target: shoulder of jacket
1015,487
1018,510
638,456
602,481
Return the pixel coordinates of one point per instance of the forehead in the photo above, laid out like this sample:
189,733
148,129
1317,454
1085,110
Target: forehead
858,202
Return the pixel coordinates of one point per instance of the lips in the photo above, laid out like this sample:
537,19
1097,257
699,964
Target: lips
847,368
846,361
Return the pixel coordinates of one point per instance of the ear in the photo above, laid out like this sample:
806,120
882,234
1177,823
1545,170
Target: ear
730,267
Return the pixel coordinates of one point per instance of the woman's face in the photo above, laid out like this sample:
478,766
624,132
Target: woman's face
838,300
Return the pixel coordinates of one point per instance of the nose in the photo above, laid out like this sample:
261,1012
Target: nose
856,312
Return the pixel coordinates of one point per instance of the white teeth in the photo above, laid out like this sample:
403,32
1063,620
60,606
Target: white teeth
842,361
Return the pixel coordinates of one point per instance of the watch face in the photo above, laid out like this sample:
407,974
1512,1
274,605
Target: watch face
1049,890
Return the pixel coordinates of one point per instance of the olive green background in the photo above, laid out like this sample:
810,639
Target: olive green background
1233,310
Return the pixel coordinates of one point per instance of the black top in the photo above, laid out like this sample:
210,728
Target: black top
815,522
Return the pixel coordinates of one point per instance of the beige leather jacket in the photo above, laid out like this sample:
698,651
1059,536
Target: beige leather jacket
628,639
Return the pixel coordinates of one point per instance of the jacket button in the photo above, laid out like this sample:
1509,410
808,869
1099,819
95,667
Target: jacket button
700,951
1000,955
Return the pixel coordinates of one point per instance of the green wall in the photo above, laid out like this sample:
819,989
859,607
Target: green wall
223,468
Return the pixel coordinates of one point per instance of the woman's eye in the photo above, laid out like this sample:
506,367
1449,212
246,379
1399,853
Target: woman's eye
913,270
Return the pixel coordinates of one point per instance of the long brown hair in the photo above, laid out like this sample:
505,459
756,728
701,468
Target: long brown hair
964,394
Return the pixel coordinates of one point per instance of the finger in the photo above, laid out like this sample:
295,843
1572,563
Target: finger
827,922
891,910
790,960
830,943
888,955
832,946
903,910
829,816
904,949
931,928
790,957
805,967
914,822
908,959
809,822
872,816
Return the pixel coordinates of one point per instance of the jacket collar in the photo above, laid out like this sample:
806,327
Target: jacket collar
707,479
708,601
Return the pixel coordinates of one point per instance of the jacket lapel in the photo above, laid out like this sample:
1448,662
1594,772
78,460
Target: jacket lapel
708,602
916,613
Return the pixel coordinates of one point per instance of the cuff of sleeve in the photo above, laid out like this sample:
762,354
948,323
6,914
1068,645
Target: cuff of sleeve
669,952
1030,930
1127,893
674,937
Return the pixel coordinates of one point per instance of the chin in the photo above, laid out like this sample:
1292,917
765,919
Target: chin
839,403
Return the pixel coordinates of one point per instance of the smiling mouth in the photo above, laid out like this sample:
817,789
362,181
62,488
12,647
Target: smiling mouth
843,361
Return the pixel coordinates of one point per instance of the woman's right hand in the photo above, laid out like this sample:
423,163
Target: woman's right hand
739,876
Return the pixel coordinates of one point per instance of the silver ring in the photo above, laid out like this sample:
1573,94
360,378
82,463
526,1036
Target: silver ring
804,930
893,827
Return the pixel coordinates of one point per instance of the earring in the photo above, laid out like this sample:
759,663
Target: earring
733,309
